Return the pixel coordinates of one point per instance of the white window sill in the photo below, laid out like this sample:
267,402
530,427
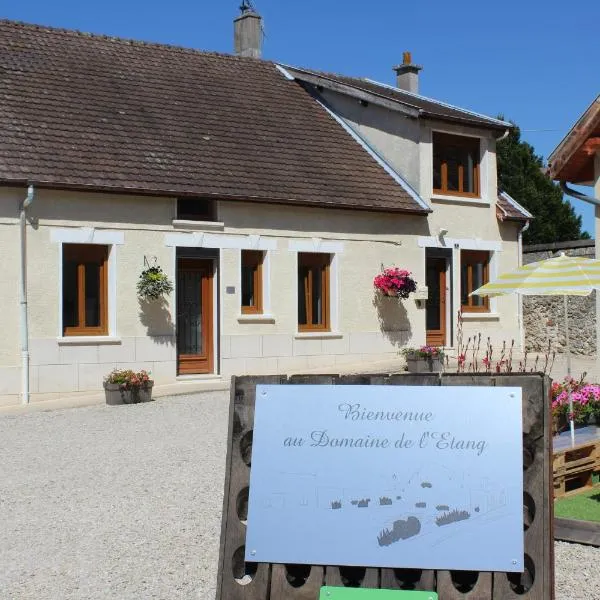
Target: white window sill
460,199
88,340
480,316
258,318
318,335
198,225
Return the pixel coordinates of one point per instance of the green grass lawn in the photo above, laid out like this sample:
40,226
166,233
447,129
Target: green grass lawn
584,506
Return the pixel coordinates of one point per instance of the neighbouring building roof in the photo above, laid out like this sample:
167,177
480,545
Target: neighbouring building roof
85,111
421,105
508,209
573,159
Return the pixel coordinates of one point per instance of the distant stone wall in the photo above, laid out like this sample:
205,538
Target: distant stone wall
543,317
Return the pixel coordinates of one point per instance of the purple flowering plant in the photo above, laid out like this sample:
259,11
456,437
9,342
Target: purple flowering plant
427,352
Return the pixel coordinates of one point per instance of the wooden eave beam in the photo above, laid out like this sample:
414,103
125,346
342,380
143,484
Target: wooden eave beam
591,145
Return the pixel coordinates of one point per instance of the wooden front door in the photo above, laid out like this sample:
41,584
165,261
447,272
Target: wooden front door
436,303
194,316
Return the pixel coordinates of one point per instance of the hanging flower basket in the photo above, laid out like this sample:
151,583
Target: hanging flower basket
153,283
395,283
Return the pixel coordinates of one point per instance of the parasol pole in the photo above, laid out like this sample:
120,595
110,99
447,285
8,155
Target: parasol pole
568,346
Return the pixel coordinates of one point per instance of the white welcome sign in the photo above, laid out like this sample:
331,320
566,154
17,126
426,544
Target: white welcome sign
387,476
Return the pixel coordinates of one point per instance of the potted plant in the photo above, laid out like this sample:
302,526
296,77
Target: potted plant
426,359
124,386
153,283
395,283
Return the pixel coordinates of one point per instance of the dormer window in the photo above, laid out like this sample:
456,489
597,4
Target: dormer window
455,165
196,209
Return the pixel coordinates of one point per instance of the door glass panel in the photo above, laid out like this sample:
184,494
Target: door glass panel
189,313
432,312
92,295
70,294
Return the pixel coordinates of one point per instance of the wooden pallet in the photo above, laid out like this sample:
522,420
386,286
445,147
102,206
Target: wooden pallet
573,468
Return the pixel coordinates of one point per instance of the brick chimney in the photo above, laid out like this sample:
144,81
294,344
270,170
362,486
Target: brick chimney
247,32
407,74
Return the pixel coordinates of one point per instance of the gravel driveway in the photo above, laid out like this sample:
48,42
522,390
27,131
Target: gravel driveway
113,502
125,502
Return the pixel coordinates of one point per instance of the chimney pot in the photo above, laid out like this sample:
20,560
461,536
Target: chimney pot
248,32
407,74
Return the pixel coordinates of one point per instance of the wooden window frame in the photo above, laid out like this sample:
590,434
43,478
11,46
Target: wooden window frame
322,262
253,259
209,216
469,258
471,143
82,254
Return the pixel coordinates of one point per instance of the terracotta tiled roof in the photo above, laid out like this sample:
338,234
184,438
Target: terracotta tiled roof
427,107
86,111
508,209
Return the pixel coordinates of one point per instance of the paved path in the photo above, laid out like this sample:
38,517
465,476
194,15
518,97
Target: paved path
124,502
120,502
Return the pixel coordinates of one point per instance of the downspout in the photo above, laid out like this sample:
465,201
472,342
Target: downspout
520,307
575,194
23,298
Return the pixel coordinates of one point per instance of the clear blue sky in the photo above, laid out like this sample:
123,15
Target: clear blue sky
535,61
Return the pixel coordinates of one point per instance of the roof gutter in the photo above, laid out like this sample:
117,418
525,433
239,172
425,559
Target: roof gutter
575,194
23,296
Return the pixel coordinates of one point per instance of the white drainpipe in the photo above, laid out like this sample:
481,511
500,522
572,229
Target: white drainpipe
519,296
23,298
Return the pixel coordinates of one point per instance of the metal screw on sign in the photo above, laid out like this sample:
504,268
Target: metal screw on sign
514,562
512,395
253,552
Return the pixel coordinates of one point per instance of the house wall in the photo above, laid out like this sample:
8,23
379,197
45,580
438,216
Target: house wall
406,144
392,135
143,335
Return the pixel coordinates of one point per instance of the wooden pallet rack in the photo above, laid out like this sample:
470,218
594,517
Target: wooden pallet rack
573,468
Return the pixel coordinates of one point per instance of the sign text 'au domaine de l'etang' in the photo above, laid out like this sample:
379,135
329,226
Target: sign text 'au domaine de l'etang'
387,476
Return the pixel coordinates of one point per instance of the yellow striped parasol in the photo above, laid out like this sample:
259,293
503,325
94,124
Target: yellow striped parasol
560,276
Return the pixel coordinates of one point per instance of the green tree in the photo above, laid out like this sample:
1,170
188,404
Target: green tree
521,176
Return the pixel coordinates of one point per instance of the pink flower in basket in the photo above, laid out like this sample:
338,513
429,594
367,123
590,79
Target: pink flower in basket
395,282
